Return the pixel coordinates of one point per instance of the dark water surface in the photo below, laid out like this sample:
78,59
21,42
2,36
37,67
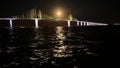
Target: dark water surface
59,47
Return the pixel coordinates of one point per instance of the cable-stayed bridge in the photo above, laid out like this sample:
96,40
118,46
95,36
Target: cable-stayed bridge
37,19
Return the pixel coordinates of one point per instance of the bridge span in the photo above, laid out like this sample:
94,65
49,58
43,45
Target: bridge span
37,21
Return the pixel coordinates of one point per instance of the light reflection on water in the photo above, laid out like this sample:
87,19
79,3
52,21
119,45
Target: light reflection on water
45,46
61,49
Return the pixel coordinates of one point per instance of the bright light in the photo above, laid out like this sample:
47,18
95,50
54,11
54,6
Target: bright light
59,13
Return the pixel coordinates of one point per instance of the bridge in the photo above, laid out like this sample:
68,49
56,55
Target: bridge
36,17
36,22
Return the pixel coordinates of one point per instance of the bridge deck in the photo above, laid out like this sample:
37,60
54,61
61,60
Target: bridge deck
36,22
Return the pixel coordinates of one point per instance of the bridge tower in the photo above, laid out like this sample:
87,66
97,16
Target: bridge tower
39,14
70,17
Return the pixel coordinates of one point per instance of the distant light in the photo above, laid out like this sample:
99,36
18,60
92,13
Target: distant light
59,13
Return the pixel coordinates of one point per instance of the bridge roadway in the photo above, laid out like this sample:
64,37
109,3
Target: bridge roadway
78,23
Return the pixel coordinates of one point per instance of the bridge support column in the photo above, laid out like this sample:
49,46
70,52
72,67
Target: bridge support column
36,23
78,24
84,23
81,23
87,23
68,23
11,23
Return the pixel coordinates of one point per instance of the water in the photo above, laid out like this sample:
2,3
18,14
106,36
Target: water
59,47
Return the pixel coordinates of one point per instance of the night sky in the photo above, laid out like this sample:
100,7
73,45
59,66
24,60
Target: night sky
89,10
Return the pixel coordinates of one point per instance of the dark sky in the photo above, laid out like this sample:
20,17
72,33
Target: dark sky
90,10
